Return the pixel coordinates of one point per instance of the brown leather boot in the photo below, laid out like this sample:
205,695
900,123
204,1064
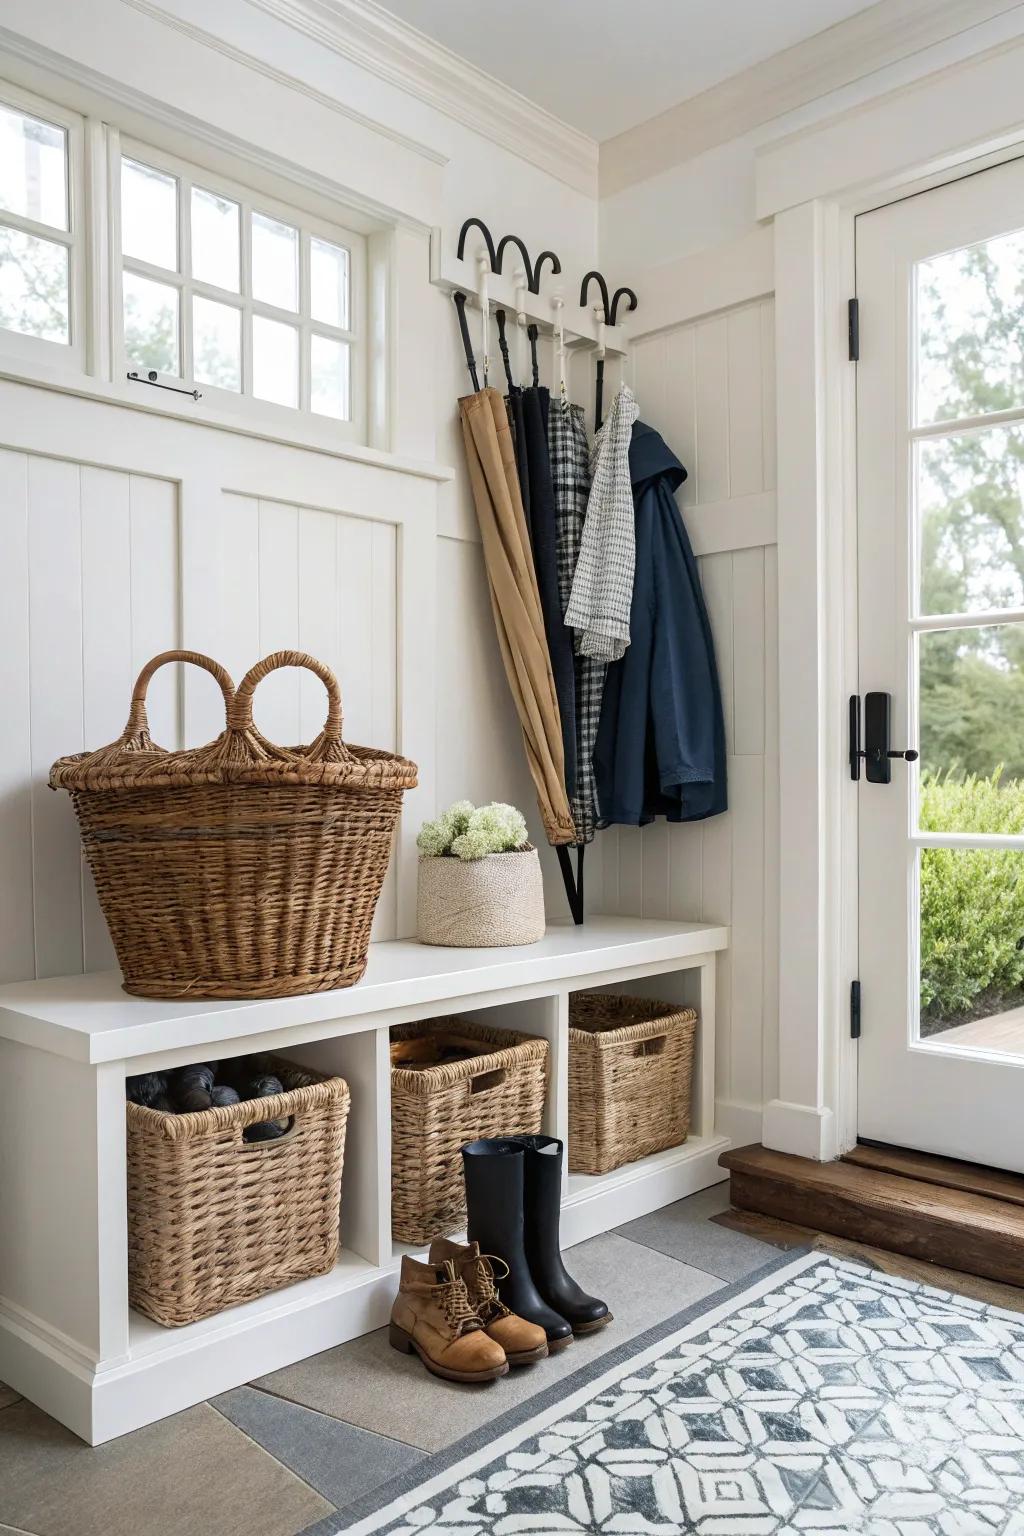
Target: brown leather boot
522,1342
434,1317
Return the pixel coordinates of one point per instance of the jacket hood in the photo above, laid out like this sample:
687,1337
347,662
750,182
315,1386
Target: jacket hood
651,457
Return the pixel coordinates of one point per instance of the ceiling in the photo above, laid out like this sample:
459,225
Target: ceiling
604,66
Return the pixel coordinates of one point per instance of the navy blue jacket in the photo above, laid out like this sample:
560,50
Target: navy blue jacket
660,747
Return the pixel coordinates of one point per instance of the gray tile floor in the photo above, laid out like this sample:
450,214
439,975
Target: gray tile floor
284,1453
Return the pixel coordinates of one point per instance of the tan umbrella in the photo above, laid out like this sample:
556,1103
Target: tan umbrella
515,601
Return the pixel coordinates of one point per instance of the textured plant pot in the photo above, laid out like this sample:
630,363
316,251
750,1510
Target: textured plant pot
490,902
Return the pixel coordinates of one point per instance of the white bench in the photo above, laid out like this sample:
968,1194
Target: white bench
68,1339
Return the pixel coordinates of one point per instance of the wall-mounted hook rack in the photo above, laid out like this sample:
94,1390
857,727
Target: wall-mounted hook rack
606,314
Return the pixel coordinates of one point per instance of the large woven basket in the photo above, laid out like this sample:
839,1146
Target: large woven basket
214,1220
630,1079
436,1109
237,869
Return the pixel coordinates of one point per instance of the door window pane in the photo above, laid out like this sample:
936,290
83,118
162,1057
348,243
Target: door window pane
275,262
33,286
328,271
970,328
972,729
151,324
216,343
33,168
149,215
329,364
972,947
275,361
215,246
970,501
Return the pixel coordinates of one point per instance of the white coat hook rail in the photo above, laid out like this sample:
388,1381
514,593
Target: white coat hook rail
489,261
558,305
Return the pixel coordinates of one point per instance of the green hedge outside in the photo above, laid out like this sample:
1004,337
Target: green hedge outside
972,901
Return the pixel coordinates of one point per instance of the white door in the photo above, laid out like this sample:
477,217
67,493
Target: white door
940,401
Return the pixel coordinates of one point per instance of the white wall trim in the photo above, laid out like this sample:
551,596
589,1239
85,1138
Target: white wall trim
743,522
869,41
697,285
377,41
968,109
804,1130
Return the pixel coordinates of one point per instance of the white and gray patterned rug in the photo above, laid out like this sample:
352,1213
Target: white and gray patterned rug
823,1397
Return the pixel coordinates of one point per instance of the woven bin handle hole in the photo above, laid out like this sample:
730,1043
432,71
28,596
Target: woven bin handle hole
240,710
483,1082
265,1146
653,1047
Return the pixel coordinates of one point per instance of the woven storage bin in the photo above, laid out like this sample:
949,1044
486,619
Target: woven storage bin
238,869
630,1079
214,1220
436,1109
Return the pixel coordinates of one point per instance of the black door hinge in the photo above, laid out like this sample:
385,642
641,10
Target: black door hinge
853,329
854,1010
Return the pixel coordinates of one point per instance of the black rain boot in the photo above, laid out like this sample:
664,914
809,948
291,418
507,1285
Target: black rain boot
543,1186
494,1198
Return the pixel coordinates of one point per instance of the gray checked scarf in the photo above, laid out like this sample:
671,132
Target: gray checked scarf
570,475
602,588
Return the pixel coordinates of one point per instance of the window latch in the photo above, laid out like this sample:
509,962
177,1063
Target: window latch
151,378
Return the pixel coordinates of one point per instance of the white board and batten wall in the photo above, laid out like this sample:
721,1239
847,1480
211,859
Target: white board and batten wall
704,376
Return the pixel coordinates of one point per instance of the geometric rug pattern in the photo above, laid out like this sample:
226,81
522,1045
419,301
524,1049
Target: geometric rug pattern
825,1398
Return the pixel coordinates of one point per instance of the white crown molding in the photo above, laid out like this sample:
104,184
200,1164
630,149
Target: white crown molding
884,34
371,37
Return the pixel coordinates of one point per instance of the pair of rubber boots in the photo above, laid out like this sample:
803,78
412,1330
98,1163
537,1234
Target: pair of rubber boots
469,1322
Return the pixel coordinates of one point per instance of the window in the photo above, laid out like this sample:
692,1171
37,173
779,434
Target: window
38,256
228,291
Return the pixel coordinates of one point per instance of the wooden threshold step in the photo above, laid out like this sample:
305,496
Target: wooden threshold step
955,1227
996,1183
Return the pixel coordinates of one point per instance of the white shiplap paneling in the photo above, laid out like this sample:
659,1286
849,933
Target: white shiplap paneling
708,387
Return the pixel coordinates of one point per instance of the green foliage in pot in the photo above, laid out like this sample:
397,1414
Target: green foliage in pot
466,831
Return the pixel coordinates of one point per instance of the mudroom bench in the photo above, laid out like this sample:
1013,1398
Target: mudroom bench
69,1340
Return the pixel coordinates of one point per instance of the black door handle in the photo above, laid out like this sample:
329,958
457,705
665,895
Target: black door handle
876,753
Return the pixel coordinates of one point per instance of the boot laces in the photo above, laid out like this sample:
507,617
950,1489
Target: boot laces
489,1304
453,1299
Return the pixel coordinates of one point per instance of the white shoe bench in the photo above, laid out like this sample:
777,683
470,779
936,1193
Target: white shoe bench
69,1340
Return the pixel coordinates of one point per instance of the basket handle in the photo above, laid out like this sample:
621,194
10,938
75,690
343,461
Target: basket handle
487,1079
137,730
654,1045
240,707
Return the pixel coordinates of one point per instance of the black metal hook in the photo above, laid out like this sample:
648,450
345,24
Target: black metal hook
482,227
621,293
556,267
584,286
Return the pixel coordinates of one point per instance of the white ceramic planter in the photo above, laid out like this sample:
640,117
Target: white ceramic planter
494,901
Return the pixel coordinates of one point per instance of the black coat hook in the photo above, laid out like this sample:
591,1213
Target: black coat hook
482,227
603,286
622,293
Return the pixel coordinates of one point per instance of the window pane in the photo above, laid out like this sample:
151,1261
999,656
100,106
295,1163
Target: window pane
970,499
33,286
215,253
149,215
328,272
151,324
972,961
275,361
329,377
275,262
972,729
216,343
33,168
970,321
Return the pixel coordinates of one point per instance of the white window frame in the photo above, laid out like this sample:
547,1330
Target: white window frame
249,200
55,356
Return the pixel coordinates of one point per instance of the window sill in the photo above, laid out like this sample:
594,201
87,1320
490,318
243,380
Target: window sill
306,432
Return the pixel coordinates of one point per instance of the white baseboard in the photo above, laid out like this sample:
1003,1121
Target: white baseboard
805,1130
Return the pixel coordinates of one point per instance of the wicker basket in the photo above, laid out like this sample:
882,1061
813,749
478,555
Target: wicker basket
630,1077
214,1220
238,869
492,1084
